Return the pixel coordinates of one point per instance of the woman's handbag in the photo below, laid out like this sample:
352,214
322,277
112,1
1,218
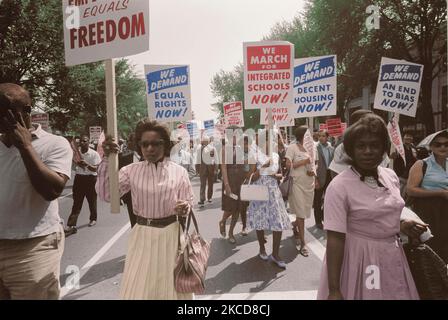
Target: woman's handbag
251,192
429,272
192,259
286,185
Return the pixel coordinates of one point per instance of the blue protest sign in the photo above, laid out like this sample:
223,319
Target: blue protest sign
168,93
314,87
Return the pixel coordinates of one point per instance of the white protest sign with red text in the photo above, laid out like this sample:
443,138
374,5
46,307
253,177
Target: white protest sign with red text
334,127
281,117
395,137
268,74
97,30
233,114
95,133
41,118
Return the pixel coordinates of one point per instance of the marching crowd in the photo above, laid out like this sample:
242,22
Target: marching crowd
357,187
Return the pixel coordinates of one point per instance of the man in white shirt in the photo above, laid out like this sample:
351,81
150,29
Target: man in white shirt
84,186
34,168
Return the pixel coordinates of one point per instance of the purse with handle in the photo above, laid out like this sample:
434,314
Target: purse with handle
252,192
192,259
286,185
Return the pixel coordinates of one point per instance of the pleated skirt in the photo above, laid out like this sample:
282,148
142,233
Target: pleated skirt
149,267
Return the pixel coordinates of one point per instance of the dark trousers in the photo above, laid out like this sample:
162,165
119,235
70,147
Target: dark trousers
207,178
319,200
83,187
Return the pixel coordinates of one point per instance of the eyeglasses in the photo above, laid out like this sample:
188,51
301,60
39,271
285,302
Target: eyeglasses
440,144
156,143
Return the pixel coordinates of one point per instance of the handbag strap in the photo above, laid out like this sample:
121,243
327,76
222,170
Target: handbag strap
250,178
191,217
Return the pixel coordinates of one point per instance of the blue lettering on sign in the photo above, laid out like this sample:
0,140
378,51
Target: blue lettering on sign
209,124
167,78
192,128
313,71
400,72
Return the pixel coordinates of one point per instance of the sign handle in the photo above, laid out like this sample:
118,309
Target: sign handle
112,130
392,147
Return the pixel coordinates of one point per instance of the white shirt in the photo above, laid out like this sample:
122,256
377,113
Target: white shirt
92,158
24,213
274,165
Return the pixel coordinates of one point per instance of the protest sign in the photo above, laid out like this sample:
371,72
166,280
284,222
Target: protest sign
310,147
193,129
315,87
268,73
334,127
398,86
281,117
209,127
41,118
233,114
95,133
395,137
104,29
168,93
219,133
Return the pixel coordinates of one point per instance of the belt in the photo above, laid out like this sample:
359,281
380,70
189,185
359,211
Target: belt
160,223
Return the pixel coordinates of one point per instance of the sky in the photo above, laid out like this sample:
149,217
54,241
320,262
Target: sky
208,35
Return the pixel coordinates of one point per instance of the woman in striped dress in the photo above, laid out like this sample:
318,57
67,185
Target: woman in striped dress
161,193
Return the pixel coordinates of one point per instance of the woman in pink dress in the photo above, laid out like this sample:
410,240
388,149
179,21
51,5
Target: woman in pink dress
365,258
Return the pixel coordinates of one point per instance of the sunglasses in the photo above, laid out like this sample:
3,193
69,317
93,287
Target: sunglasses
146,144
440,144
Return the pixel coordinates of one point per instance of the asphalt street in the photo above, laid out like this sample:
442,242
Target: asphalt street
93,259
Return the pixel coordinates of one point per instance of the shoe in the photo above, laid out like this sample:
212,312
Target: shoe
232,239
92,223
304,251
201,204
280,264
263,256
244,232
209,200
70,230
319,226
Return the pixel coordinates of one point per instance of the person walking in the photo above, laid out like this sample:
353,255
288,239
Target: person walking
34,167
268,215
323,175
298,161
84,186
206,167
428,187
364,256
162,195
234,174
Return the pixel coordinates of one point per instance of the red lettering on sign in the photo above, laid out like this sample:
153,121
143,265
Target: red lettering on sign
268,58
